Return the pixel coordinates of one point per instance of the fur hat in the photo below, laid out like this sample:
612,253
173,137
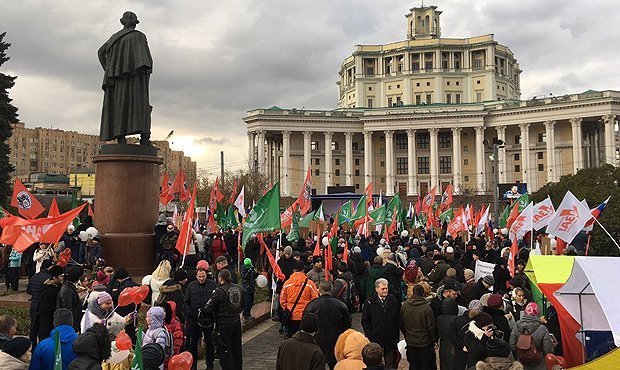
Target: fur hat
309,323
483,319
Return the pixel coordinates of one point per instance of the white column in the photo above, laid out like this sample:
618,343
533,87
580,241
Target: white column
412,178
307,150
480,171
577,144
456,159
261,152
348,173
251,150
367,157
268,158
286,163
501,153
552,169
434,160
328,160
389,163
609,121
525,154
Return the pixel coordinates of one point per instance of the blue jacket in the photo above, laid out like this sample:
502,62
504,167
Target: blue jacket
43,355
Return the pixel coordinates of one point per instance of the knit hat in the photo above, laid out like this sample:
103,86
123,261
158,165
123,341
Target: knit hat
309,323
483,319
152,356
495,301
56,271
120,273
288,250
475,305
247,262
532,309
316,259
497,348
488,279
411,271
104,297
103,278
17,346
179,275
202,264
221,259
468,274
299,266
63,316
74,273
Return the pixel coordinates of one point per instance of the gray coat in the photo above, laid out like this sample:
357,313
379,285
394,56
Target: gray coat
540,335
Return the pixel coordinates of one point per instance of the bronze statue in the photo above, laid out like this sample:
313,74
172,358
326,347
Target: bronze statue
127,65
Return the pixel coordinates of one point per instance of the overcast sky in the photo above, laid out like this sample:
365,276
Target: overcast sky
215,60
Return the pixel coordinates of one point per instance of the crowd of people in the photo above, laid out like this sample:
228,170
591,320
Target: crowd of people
418,286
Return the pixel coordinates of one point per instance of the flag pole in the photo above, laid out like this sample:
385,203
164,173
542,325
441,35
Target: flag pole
607,232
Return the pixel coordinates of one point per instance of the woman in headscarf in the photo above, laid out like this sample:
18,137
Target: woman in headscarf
101,311
530,323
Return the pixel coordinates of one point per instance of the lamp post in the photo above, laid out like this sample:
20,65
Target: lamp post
497,144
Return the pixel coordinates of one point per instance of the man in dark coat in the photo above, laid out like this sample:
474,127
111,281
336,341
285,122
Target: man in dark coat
68,297
120,281
47,303
333,319
127,64
374,272
35,284
417,322
196,296
482,286
380,321
393,274
301,352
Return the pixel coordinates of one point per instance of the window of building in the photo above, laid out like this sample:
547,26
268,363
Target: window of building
398,86
389,103
457,83
357,172
465,148
337,172
444,64
517,139
317,172
369,103
428,84
541,167
540,155
423,165
445,140
335,145
401,141
417,84
457,98
383,180
416,66
369,88
517,157
465,162
478,97
337,162
381,150
370,71
418,99
428,99
401,165
357,162
478,64
317,161
445,164
448,83
398,101
314,145
542,137
382,164
428,65
448,98
457,65
423,139
517,168
466,178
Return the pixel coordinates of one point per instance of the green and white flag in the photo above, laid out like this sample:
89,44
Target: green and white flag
345,213
136,363
378,215
57,352
360,209
319,215
305,222
446,215
264,217
394,204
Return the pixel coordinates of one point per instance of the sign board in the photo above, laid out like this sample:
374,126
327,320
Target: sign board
483,269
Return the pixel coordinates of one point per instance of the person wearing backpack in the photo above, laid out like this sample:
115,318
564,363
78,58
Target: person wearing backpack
344,288
157,333
530,339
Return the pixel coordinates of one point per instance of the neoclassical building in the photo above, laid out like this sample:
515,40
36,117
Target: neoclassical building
422,113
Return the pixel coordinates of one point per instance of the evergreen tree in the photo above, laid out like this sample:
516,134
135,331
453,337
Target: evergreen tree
8,115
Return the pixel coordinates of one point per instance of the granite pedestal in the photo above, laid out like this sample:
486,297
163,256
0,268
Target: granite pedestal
126,205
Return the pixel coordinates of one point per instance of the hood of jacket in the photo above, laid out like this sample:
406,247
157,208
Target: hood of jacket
297,279
94,343
347,276
170,286
498,363
528,323
416,301
349,345
156,315
173,308
9,362
67,333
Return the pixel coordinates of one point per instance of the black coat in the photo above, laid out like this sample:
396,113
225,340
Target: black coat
446,347
334,319
172,290
116,289
300,352
478,290
458,328
68,298
380,322
394,276
195,298
35,284
47,307
499,320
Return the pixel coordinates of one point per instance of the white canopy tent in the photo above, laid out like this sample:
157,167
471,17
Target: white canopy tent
590,294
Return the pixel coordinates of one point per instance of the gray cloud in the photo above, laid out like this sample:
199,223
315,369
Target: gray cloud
213,61
209,140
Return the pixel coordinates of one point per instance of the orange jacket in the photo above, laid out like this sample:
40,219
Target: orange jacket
291,290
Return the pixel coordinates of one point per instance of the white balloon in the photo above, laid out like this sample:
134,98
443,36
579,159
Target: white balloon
118,355
495,231
404,234
505,231
325,241
380,251
83,236
402,348
550,236
261,281
146,280
92,232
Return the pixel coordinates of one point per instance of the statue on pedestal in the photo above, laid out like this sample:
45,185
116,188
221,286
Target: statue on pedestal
127,65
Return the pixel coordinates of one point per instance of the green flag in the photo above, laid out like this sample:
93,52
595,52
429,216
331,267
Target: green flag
57,352
220,216
504,216
136,364
345,212
378,215
319,215
305,222
293,234
360,209
394,203
231,217
265,216
523,201
446,215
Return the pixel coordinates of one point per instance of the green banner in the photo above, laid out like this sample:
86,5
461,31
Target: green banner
265,216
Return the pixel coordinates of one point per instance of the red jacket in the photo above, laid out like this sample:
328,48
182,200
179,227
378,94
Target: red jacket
218,247
176,329
290,291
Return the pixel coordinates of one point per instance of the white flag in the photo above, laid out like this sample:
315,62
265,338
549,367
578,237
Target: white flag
483,221
523,223
543,212
239,202
570,217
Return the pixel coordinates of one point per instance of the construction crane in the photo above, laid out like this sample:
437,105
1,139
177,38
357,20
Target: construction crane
168,136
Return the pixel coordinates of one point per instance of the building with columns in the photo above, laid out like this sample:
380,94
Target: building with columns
389,131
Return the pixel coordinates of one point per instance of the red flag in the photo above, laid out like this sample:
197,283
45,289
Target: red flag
390,229
513,215
317,247
185,236
345,254
91,213
233,193
218,194
418,205
514,250
303,200
54,211
27,205
334,230
177,184
429,201
446,198
369,192
272,261
329,260
21,233
165,196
